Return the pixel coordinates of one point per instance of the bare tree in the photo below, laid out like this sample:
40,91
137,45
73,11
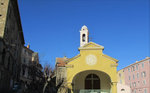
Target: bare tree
50,80
48,73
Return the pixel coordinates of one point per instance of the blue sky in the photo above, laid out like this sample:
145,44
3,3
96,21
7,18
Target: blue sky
52,27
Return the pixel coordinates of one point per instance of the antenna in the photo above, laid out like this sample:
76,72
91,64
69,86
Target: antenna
90,38
64,55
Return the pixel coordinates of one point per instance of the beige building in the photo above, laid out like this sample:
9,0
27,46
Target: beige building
121,86
26,61
31,69
121,76
61,73
36,68
11,41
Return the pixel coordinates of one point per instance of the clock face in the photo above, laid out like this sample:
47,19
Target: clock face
91,59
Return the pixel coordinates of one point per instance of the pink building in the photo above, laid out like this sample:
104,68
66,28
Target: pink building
137,76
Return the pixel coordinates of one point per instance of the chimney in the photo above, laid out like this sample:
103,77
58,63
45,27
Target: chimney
28,46
147,57
65,57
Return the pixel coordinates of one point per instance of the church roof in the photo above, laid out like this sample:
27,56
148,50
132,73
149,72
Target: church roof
72,58
60,62
90,46
84,28
113,59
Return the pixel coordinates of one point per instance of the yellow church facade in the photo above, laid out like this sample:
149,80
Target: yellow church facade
91,71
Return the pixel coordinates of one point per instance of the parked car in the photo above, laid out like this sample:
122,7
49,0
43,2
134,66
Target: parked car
16,87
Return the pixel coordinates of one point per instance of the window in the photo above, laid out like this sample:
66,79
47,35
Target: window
83,37
30,54
142,65
134,91
130,85
141,74
144,74
128,69
134,84
133,68
121,81
24,60
145,90
2,3
23,72
129,78
144,82
119,74
138,83
137,75
137,67
122,89
133,76
92,81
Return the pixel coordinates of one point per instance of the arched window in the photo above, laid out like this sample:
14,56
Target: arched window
122,89
83,37
92,81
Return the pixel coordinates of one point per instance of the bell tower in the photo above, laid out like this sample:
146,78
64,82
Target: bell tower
84,36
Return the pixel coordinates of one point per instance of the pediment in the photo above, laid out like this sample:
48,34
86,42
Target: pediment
91,45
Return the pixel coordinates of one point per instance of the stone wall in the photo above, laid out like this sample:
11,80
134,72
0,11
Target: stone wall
3,14
11,39
61,75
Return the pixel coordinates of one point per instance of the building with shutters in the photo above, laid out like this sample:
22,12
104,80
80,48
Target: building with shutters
137,76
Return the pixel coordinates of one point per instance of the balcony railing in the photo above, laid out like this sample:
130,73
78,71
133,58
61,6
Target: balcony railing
92,91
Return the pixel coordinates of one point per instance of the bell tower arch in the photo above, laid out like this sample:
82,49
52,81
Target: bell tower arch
84,36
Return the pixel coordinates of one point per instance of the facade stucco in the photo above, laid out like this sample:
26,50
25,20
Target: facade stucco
137,76
122,88
90,60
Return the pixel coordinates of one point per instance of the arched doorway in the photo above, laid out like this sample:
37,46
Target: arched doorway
92,81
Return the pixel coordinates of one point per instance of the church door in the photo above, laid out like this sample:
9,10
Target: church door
92,81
